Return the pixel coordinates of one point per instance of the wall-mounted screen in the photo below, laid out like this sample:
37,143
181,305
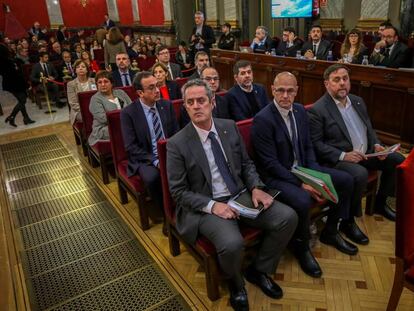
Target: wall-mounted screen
291,8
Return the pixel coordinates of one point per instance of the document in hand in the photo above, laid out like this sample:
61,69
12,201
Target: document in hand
242,202
318,180
386,151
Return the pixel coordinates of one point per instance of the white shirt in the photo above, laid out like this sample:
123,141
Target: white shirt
285,116
116,102
356,127
218,185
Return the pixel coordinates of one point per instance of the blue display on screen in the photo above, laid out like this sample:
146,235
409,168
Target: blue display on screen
291,8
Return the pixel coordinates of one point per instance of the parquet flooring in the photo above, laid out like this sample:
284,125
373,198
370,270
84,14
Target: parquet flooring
361,282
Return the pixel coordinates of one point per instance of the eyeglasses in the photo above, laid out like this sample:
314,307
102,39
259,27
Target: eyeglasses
290,92
208,79
151,88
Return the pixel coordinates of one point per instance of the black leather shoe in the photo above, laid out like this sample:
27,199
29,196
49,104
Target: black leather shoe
266,283
238,300
339,243
308,262
28,121
352,232
385,211
10,119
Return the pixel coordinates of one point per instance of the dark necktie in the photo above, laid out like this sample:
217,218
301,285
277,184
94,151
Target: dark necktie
222,164
295,141
387,52
70,68
45,70
156,123
126,79
314,49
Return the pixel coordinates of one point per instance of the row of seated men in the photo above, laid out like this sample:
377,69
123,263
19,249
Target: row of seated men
389,51
207,164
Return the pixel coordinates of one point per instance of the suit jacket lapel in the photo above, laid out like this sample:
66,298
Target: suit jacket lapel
280,120
224,138
163,117
198,152
140,115
336,115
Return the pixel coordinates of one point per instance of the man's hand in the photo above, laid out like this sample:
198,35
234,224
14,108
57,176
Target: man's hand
379,148
354,156
259,196
309,54
256,40
223,210
380,44
315,194
193,37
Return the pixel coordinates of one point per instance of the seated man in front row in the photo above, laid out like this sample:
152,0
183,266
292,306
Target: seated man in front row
342,134
245,98
144,122
281,138
207,163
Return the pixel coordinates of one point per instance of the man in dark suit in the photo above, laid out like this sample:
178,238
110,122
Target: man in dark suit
221,107
201,61
56,54
262,43
281,139
144,122
60,33
163,56
342,135
207,163
108,23
245,98
123,76
43,68
391,52
317,48
66,64
290,43
202,36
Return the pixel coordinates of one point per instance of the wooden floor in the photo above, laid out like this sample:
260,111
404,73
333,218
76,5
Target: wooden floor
361,282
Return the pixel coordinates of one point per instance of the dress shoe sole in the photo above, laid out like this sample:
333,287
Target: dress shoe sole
267,293
327,242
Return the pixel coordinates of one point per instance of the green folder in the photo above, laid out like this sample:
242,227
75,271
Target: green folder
318,180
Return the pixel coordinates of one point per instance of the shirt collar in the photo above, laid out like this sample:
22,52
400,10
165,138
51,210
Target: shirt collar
246,90
145,107
339,104
203,134
284,112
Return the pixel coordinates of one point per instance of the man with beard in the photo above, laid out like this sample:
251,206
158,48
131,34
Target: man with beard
317,48
245,98
201,61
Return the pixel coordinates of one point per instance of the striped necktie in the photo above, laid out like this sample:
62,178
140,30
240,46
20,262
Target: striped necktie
156,123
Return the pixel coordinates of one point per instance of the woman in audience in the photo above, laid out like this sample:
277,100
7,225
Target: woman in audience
95,46
81,83
93,66
114,45
182,56
353,50
168,89
106,99
135,51
83,44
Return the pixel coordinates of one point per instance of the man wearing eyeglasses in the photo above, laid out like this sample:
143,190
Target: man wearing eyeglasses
163,56
146,121
221,109
281,139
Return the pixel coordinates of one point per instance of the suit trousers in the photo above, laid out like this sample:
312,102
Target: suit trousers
150,175
21,105
359,171
301,201
278,223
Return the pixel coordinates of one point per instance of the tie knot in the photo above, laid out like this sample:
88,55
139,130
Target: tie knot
152,110
211,135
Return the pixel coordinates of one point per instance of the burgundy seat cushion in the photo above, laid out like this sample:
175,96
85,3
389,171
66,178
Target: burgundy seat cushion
248,233
134,181
78,125
410,274
102,147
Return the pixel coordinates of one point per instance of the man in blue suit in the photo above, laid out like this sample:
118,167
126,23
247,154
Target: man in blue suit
281,139
245,98
147,120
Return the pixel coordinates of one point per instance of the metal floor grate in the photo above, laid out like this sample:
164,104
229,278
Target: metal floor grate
77,253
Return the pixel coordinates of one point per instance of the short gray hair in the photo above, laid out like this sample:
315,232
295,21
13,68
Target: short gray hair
199,13
197,82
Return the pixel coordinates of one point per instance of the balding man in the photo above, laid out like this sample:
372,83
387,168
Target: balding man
281,139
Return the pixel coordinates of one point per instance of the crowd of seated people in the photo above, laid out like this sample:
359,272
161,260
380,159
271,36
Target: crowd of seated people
388,49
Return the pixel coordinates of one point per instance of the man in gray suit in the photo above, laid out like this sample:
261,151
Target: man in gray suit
202,178
342,135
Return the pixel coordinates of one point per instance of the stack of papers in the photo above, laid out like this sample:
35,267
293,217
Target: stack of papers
387,151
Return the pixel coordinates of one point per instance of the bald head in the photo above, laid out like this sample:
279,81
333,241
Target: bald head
284,89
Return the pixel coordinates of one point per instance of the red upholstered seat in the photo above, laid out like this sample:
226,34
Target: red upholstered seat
132,185
177,103
404,232
145,64
130,91
203,250
181,81
102,147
